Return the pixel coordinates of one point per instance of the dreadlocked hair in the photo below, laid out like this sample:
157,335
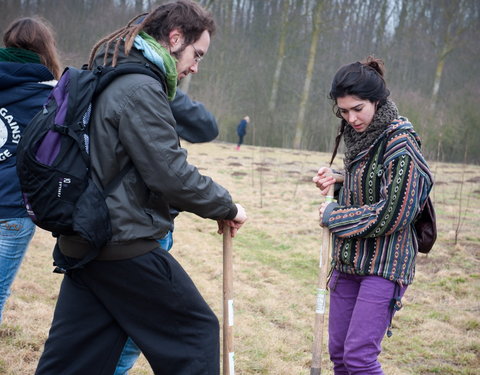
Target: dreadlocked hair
127,34
185,15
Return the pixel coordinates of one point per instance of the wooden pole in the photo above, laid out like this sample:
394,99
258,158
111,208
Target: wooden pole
228,353
316,367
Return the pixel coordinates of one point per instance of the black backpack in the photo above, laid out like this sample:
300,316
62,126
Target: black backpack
53,161
425,223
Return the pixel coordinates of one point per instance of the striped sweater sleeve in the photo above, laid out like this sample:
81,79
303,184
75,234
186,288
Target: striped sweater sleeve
404,186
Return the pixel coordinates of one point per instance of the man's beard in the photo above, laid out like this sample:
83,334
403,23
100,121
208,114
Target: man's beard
178,54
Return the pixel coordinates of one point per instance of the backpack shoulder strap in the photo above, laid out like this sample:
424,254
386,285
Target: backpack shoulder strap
108,74
117,179
383,146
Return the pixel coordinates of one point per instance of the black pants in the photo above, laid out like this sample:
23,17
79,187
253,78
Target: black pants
240,140
149,298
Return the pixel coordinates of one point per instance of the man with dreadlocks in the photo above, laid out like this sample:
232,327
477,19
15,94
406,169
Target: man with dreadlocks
134,288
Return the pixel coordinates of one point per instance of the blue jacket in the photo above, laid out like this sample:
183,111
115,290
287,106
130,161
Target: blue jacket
194,123
24,88
242,128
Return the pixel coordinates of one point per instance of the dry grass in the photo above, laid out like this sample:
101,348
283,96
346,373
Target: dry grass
276,264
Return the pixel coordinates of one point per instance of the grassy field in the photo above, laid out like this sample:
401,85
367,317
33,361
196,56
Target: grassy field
276,268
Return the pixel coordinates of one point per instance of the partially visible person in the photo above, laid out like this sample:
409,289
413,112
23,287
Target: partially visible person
242,130
195,124
374,241
29,66
135,288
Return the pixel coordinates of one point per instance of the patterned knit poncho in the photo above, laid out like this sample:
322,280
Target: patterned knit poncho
372,223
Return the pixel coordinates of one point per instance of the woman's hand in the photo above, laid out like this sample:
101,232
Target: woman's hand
324,179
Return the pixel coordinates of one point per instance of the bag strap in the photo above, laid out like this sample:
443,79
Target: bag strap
117,179
383,147
109,73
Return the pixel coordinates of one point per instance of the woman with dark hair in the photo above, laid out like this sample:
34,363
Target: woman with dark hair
29,65
386,184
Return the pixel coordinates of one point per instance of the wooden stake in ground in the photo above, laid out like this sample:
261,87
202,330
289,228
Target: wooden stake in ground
228,353
321,294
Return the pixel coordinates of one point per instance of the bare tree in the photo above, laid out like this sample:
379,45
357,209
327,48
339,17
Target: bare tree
455,21
316,18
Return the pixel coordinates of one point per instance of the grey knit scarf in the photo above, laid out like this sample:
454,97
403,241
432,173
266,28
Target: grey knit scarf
356,142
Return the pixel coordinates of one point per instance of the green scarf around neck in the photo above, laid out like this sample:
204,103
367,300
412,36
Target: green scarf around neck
19,55
169,62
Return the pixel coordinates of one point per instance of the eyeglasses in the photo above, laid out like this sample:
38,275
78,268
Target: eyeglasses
198,57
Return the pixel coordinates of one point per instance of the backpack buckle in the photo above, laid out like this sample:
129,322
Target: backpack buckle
60,128
60,270
98,70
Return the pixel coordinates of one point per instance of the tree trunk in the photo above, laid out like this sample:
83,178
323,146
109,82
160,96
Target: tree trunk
438,74
300,125
280,58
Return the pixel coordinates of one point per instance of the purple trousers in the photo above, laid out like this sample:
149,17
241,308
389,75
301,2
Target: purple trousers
360,313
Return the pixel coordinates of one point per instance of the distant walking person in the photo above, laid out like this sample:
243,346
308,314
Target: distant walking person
242,130
387,182
29,65
135,288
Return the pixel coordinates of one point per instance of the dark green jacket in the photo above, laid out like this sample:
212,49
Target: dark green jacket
132,121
